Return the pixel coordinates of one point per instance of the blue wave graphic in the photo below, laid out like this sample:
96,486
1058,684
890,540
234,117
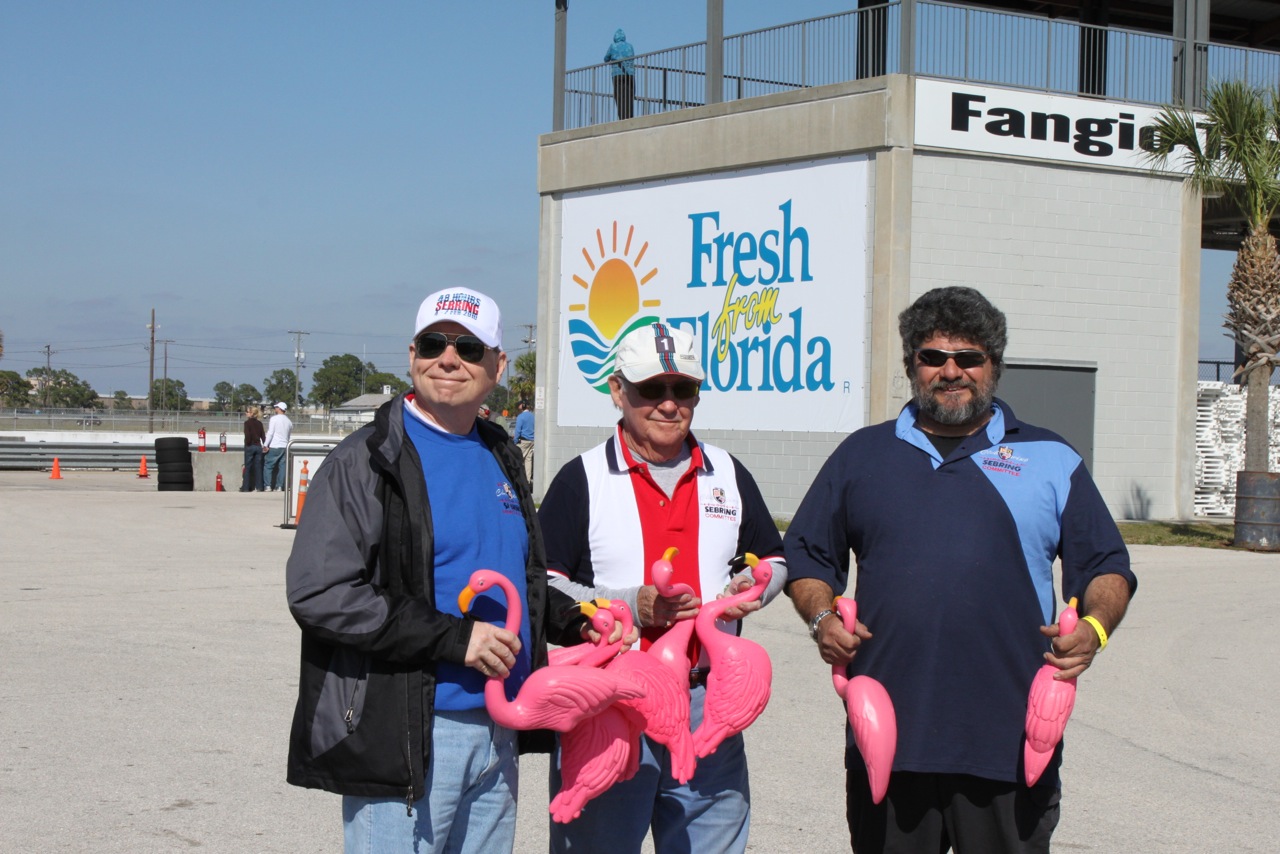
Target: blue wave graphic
593,355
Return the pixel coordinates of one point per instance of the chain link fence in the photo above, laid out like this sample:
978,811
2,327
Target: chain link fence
166,422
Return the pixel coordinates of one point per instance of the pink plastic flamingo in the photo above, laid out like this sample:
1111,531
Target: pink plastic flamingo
871,714
601,750
1049,705
591,655
741,676
665,706
595,754
553,697
672,649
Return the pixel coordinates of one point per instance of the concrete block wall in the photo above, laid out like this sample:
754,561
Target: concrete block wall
1085,264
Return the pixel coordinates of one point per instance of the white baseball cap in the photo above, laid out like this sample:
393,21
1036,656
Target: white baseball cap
657,349
282,406
477,313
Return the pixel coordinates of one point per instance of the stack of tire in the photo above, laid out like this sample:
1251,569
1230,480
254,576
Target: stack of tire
173,465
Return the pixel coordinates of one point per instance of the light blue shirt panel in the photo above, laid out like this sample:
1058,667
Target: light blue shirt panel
1034,479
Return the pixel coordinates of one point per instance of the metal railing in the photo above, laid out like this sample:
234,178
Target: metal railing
950,40
1012,49
665,80
1222,371
1255,67
167,422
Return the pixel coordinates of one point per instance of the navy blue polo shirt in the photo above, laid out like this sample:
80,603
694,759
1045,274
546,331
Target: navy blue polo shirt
955,575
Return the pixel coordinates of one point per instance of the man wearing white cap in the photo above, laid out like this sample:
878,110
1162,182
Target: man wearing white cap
607,516
391,710
279,431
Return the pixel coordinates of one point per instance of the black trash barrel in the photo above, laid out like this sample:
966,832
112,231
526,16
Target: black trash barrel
173,465
1258,510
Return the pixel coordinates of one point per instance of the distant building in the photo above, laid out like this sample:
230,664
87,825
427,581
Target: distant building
357,411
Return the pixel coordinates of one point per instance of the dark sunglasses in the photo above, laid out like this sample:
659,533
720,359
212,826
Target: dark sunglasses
965,359
431,345
656,390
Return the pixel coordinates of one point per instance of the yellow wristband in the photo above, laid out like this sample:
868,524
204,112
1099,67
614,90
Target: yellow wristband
1097,627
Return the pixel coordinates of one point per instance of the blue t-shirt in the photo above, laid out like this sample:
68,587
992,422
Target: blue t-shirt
478,525
524,426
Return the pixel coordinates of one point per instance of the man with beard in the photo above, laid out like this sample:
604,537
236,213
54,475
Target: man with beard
956,512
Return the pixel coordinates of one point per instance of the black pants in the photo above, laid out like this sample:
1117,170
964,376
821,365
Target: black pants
624,94
929,813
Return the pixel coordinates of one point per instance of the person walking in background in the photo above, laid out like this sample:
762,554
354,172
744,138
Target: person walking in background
524,438
254,435
279,430
607,516
391,709
956,512
624,69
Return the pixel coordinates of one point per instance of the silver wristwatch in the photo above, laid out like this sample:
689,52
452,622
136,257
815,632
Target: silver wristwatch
818,618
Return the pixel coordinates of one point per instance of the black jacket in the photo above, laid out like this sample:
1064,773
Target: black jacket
360,584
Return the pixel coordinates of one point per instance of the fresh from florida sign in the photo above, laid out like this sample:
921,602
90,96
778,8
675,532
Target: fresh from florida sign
766,268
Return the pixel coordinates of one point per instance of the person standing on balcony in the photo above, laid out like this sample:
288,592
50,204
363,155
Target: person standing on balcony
279,431
624,69
254,434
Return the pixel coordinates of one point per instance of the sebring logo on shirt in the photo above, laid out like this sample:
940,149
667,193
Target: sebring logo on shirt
507,497
1002,460
719,507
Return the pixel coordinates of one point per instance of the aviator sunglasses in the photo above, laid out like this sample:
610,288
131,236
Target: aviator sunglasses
431,345
656,390
965,359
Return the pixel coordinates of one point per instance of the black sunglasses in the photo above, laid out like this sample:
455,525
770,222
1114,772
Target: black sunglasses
656,390
431,345
965,359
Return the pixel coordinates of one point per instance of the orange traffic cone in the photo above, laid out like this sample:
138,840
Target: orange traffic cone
303,483
57,470
142,468
217,486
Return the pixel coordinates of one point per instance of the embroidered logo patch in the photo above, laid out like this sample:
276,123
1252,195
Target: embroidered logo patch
507,497
1002,460
719,507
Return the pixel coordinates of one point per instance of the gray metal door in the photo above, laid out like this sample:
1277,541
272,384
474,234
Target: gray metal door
1058,398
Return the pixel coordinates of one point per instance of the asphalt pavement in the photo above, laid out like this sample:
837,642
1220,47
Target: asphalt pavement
150,668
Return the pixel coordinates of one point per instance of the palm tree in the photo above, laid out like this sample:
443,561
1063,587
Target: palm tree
1232,150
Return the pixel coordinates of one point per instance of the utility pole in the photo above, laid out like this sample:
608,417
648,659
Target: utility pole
530,339
299,362
151,375
48,372
164,387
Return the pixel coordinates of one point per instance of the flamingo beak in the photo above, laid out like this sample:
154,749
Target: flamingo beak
588,608
670,553
750,560
464,599
1072,603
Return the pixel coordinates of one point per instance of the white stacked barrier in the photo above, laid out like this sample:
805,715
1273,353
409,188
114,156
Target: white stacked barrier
1220,412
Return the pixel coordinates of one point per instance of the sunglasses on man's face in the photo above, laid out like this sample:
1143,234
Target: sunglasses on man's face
431,345
965,359
656,390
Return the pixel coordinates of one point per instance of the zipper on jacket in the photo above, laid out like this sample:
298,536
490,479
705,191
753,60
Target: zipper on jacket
408,752
350,715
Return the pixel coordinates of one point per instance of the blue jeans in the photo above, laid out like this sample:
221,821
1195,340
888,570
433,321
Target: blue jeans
710,815
252,478
273,468
470,804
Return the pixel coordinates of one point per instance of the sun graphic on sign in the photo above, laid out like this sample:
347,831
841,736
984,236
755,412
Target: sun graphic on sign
614,305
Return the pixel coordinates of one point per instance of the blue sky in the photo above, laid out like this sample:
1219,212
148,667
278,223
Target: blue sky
250,168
